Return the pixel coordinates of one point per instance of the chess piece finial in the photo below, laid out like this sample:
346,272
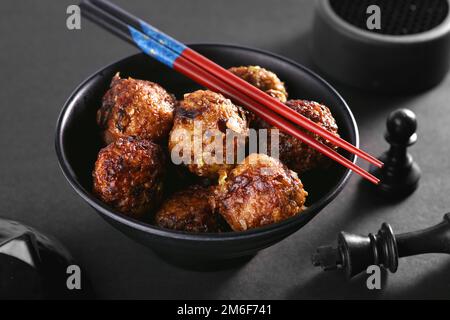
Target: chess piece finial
400,174
355,253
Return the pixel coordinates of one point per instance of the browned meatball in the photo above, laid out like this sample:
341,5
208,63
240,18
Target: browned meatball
136,108
258,192
263,79
189,210
299,156
205,116
128,176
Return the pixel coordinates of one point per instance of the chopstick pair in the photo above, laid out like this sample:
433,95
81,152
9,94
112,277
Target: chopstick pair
205,72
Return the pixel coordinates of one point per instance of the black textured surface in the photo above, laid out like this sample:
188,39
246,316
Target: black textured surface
42,62
399,17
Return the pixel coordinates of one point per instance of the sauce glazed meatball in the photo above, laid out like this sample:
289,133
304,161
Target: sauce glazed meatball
136,108
299,156
258,192
190,210
201,123
128,176
263,79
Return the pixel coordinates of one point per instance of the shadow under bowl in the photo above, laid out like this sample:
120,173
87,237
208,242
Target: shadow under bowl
78,142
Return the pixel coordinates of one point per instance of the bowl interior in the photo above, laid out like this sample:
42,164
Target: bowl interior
78,136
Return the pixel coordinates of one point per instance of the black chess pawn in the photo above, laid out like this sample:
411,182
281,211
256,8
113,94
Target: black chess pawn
400,174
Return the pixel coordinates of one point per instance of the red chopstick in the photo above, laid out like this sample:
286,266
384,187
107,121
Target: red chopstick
241,85
274,104
202,77
169,55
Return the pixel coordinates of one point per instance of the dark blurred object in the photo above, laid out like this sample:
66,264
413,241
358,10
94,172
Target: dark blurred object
400,175
355,253
410,52
34,266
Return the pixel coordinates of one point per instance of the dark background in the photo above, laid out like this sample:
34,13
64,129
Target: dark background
42,62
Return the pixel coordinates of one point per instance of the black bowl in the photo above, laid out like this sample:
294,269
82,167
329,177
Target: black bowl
78,142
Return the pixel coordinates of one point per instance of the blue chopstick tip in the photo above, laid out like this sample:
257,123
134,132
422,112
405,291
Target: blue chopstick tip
153,48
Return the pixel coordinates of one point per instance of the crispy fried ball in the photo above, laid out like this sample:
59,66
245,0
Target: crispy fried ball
128,176
263,79
297,155
136,108
258,192
190,210
201,123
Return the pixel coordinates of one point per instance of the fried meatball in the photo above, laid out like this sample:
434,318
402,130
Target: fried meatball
128,176
299,156
189,210
258,192
263,79
136,108
199,134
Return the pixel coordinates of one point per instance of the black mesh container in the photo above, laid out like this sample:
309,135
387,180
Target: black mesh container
409,51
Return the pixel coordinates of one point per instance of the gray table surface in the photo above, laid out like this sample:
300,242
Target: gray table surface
42,62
